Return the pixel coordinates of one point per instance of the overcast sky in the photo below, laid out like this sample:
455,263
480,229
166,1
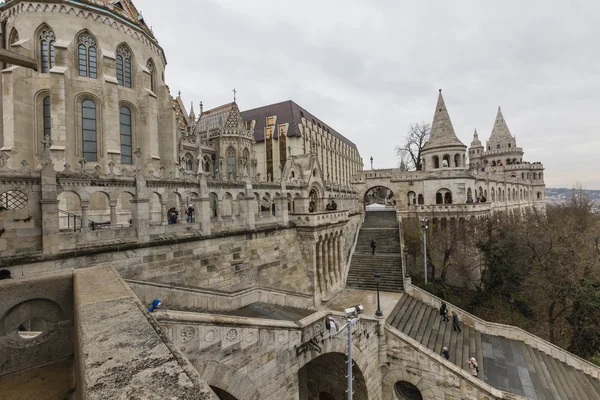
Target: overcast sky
371,68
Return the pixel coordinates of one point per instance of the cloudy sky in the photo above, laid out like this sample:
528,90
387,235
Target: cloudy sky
371,68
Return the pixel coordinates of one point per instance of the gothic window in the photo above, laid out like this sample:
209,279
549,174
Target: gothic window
498,146
150,66
46,116
87,56
124,66
89,130
231,163
269,150
47,40
189,162
126,135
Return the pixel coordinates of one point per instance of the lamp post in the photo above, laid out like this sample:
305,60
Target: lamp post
425,227
378,313
371,162
352,316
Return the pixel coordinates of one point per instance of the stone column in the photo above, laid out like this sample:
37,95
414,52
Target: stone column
139,215
281,210
319,267
324,266
330,260
113,211
340,259
203,213
49,207
85,205
219,209
336,268
163,214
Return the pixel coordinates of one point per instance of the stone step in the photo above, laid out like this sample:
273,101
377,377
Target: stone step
505,364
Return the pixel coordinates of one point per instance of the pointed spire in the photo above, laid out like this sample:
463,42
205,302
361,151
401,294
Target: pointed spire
201,107
192,114
500,130
442,132
476,142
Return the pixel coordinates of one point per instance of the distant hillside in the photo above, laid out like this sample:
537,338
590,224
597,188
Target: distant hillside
564,193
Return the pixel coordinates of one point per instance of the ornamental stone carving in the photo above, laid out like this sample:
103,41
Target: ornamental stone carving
231,335
187,334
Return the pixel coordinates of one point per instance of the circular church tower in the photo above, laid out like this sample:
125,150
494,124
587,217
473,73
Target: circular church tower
443,150
98,92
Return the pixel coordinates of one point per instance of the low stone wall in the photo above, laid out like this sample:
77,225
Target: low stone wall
49,298
509,332
121,350
212,300
434,376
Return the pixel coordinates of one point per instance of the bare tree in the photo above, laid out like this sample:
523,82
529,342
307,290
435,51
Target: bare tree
409,152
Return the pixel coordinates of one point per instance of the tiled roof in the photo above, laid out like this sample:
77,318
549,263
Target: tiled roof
442,132
214,118
125,9
286,112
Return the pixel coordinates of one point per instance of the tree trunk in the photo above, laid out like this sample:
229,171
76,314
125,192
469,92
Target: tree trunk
551,322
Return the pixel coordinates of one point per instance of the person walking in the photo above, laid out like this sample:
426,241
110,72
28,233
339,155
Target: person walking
473,367
156,305
455,322
190,214
444,312
446,353
373,246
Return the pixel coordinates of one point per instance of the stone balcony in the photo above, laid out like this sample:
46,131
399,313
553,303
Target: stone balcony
452,208
319,218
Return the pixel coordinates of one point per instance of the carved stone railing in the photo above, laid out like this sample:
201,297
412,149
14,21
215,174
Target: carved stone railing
319,218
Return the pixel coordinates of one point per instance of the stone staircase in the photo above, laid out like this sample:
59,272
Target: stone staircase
508,365
382,227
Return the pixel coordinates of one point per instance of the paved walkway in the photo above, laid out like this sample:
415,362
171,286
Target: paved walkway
49,382
368,298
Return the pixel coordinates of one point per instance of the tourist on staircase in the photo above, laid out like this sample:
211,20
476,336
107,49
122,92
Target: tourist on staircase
444,312
473,367
455,322
446,353
373,246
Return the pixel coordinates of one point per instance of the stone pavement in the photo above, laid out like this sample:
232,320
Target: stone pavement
368,298
50,382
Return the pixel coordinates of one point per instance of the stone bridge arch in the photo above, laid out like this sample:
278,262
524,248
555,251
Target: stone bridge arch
401,374
227,379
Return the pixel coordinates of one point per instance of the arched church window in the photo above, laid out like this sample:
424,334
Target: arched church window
47,40
150,66
498,146
420,199
231,170
47,116
189,162
87,55
89,130
124,66
126,135
436,162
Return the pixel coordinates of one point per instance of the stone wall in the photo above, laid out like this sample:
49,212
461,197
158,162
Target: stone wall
49,298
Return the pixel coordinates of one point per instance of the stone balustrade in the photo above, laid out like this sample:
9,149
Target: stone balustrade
319,218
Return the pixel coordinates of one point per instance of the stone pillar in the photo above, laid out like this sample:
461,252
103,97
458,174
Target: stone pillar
219,210
248,208
139,214
340,259
49,207
336,267
85,205
281,210
319,267
113,211
163,214
324,266
330,260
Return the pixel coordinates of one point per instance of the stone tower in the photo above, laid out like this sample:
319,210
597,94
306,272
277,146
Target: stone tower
99,91
443,149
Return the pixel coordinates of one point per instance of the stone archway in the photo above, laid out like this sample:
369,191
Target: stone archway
227,380
223,394
407,391
325,376
378,198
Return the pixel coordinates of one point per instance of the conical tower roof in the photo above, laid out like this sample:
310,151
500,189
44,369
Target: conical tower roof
442,131
476,142
500,132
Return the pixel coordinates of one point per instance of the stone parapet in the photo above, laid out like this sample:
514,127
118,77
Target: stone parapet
319,218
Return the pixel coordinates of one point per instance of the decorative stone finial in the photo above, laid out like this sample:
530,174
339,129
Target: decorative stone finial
83,162
234,93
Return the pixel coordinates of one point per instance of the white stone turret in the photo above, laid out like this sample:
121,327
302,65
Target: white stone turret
443,149
475,152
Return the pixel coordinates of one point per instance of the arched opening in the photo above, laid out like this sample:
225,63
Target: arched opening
325,378
439,198
469,195
436,162
124,207
99,209
69,211
420,199
222,394
407,391
155,209
412,198
313,202
379,198
457,160
446,161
